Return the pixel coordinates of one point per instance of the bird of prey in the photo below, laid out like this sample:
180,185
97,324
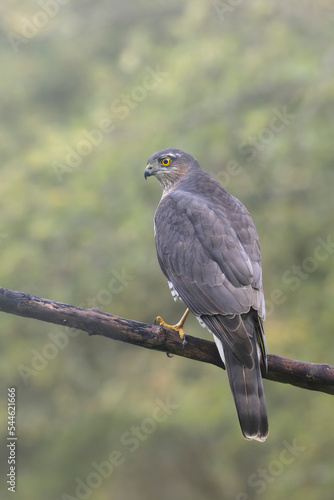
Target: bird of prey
208,249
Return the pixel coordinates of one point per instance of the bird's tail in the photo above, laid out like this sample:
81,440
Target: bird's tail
240,341
247,390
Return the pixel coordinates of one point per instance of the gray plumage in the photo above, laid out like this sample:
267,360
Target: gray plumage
208,249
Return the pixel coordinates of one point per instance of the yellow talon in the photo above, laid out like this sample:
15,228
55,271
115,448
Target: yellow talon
178,327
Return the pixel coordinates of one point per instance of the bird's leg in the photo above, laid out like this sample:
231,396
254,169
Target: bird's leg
178,327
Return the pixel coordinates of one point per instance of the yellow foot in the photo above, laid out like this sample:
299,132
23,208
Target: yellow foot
178,327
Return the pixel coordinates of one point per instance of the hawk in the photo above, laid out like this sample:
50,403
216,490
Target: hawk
208,249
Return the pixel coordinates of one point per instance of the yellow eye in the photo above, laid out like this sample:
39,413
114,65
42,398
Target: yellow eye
165,162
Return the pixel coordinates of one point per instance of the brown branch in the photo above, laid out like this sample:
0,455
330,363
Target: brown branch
312,376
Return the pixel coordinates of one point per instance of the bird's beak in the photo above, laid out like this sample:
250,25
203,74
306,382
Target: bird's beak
148,171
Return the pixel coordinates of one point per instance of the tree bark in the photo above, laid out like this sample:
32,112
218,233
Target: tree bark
312,376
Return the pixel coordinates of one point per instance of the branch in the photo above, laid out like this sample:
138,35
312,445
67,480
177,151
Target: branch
312,376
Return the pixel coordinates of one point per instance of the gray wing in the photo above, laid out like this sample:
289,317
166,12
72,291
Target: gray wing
209,251
211,257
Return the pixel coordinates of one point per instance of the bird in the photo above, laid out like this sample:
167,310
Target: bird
208,249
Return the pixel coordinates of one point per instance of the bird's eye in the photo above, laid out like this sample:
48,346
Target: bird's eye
165,162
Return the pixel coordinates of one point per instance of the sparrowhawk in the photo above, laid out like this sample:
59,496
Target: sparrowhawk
208,249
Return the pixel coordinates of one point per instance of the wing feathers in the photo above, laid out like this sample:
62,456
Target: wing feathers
233,335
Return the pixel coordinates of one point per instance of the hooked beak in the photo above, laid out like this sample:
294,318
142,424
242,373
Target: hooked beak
148,171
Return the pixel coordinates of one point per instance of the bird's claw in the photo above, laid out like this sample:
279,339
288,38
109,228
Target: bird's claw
176,328
159,321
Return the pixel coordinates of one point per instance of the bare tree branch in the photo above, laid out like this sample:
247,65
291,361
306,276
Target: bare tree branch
312,376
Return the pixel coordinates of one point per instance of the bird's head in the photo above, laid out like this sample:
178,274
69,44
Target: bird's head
169,166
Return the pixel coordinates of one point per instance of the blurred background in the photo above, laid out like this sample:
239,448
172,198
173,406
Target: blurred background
89,90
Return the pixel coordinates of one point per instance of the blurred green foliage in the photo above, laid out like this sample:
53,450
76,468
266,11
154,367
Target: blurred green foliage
89,91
